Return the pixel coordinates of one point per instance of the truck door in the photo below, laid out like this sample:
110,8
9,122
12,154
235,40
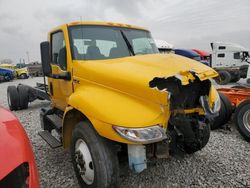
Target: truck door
60,89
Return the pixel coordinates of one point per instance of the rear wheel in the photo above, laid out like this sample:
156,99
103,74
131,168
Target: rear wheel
242,119
13,98
224,78
235,78
248,81
94,158
23,96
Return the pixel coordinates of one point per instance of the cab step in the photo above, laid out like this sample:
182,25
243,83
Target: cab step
50,139
55,120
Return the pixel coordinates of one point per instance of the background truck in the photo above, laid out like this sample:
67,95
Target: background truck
114,99
21,73
230,60
164,47
35,69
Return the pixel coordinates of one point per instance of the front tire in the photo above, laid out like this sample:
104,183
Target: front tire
242,119
23,76
94,158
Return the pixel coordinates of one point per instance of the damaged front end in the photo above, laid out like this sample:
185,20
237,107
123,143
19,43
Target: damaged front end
191,108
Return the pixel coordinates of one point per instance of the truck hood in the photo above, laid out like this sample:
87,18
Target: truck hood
134,74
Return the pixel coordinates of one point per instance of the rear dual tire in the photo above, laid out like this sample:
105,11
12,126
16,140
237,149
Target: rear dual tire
23,96
18,97
13,98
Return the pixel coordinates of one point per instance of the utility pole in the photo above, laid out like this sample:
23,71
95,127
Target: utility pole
28,56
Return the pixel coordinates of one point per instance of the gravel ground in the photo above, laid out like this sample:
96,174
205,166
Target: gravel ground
224,162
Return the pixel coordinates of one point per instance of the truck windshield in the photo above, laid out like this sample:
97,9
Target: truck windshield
104,42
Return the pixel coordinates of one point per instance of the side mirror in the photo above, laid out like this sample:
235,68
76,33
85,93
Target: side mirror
45,57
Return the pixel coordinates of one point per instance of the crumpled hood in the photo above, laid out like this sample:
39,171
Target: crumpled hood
133,74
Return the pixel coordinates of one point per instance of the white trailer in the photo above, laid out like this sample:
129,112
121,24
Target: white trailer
230,60
163,46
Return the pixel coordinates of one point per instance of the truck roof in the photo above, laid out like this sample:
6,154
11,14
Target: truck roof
226,46
110,24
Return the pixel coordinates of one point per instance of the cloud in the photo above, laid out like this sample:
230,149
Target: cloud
194,23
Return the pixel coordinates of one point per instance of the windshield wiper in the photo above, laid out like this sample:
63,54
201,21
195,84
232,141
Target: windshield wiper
130,48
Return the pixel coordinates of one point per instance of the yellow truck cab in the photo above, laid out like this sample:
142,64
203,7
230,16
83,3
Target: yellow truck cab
113,96
21,73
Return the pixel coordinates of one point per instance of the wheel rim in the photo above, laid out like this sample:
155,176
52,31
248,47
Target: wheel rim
84,162
246,120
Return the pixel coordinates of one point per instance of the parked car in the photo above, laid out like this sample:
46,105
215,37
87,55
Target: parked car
17,163
7,74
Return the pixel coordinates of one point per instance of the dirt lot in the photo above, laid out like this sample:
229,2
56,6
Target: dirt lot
224,162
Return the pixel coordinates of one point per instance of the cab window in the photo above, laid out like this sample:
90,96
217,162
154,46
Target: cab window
58,50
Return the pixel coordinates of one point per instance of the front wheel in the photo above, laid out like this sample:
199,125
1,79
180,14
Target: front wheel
242,119
23,76
94,158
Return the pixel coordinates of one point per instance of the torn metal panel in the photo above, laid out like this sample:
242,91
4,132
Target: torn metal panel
182,96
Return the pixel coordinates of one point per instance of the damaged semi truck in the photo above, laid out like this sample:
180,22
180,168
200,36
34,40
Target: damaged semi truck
113,95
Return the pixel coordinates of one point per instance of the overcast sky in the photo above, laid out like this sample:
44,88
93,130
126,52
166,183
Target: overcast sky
184,23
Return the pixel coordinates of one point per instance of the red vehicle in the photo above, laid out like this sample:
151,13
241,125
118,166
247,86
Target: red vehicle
205,56
17,163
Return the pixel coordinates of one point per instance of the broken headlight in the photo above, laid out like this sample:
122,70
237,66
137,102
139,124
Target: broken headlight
142,135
